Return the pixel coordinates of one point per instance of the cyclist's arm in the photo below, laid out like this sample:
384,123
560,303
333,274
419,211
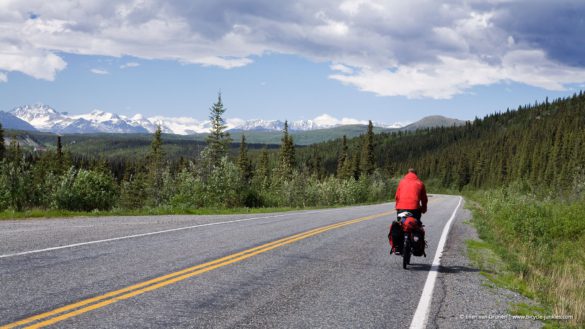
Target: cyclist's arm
423,199
397,196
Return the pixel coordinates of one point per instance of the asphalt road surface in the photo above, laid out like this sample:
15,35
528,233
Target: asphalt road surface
323,268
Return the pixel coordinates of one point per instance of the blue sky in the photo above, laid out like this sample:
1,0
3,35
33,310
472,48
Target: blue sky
388,61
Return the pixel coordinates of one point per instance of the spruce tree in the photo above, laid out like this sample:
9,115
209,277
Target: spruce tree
355,166
2,146
16,176
134,187
263,169
155,167
342,159
287,154
262,176
59,155
218,140
368,161
244,163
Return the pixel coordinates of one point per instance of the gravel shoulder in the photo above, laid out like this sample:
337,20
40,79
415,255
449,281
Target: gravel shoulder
464,298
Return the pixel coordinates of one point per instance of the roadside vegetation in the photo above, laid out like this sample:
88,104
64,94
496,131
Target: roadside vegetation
57,182
524,170
542,241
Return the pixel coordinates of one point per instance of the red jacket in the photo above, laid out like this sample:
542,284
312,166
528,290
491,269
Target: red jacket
411,194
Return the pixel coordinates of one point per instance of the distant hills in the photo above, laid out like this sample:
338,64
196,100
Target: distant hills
433,121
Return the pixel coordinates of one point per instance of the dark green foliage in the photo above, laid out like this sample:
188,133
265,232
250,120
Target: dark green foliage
343,159
287,155
368,161
2,146
59,153
355,166
155,169
244,163
134,189
263,169
542,144
15,177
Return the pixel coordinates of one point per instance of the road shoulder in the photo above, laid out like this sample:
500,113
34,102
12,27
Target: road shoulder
464,298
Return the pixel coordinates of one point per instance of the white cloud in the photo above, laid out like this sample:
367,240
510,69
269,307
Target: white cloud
129,64
341,68
328,120
412,48
99,71
181,125
3,77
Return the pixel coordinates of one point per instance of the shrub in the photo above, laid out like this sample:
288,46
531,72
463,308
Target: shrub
133,192
86,191
188,192
223,186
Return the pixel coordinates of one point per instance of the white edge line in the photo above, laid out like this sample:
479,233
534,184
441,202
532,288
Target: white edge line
420,319
158,232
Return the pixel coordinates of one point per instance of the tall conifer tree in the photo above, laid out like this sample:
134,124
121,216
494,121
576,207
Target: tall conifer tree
218,140
368,161
155,167
287,154
342,159
244,163
2,146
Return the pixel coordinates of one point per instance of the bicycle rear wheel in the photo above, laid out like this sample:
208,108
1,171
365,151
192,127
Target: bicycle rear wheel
406,253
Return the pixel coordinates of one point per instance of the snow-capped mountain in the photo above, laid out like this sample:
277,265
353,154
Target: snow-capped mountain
45,118
100,121
42,117
139,120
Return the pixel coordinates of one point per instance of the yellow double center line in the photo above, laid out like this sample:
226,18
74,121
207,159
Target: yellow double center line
83,306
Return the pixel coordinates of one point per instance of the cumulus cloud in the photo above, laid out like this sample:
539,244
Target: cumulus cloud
412,48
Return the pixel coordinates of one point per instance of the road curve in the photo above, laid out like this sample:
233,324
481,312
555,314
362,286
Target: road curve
322,268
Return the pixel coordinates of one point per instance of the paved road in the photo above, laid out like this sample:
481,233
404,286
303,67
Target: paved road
340,276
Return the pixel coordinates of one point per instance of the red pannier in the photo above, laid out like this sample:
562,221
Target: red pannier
396,236
410,224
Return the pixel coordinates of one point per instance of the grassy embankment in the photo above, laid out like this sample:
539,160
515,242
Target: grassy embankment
534,245
40,213
55,213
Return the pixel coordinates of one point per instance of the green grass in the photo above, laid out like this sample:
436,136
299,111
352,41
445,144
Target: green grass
53,213
493,267
535,246
29,214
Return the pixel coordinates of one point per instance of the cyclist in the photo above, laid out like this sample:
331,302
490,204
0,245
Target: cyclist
411,195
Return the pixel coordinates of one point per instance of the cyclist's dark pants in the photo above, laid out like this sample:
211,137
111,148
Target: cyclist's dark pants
416,213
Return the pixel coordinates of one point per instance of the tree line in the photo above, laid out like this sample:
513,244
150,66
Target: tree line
214,178
540,145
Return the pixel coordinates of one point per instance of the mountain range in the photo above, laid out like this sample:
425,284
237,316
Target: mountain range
46,119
